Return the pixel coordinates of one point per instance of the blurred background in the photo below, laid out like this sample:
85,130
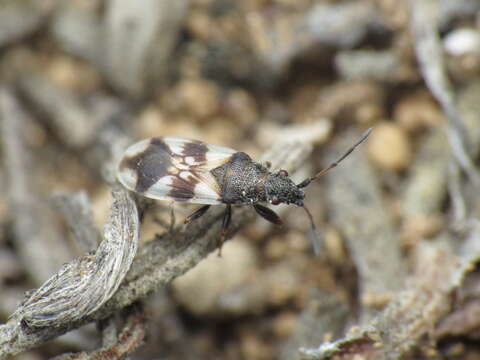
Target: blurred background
81,80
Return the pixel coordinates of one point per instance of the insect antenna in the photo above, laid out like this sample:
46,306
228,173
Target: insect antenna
333,165
316,239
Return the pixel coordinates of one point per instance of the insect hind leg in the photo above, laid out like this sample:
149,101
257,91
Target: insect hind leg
163,223
196,214
227,217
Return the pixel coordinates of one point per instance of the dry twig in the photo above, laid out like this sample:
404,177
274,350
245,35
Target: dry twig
359,212
324,317
430,57
130,338
36,234
19,19
76,209
73,123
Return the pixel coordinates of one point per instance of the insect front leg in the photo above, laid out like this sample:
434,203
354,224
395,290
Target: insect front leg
196,214
227,217
268,214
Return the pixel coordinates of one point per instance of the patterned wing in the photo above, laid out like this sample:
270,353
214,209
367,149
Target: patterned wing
173,168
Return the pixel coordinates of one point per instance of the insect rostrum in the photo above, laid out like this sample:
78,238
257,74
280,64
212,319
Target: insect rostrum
184,170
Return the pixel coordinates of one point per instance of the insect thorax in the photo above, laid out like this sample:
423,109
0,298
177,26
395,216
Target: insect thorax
241,180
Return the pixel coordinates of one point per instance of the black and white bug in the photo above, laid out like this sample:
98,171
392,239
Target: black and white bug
184,170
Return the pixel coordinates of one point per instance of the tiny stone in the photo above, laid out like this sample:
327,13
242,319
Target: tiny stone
284,324
421,227
462,41
254,349
200,25
368,113
199,290
151,122
284,285
389,147
276,249
242,106
334,245
200,97
376,300
417,111
73,75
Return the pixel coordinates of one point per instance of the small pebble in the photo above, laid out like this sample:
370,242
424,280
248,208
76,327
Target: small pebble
200,97
420,227
150,122
284,324
417,111
376,300
242,107
462,41
253,348
73,75
199,289
389,147
334,245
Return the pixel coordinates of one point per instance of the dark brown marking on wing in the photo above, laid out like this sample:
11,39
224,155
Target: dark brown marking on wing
129,163
195,149
183,190
150,165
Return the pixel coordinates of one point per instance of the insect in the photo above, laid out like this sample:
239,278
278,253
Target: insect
191,171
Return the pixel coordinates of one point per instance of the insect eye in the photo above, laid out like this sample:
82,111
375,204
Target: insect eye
283,173
275,200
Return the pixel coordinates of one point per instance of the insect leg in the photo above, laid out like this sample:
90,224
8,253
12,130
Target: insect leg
225,224
172,217
268,214
164,224
196,214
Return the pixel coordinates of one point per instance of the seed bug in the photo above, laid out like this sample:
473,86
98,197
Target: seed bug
191,171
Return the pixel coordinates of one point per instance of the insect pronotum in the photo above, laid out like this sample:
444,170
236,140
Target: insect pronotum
184,170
